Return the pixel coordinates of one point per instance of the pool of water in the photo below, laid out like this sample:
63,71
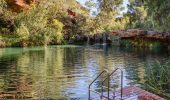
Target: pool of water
64,72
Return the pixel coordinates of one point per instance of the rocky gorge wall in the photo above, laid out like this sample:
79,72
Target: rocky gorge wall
131,38
143,34
18,5
143,38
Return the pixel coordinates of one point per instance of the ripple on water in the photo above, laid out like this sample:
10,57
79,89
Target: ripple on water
64,72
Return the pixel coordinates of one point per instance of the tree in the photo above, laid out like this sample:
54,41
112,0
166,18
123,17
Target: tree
108,10
152,14
137,14
2,6
159,11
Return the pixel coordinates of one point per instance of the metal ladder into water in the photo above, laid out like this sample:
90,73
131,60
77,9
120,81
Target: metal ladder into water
106,79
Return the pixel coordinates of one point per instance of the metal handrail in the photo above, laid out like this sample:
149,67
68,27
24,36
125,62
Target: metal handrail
109,82
104,71
95,92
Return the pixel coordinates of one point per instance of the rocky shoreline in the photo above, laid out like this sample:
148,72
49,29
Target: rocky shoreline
143,34
128,38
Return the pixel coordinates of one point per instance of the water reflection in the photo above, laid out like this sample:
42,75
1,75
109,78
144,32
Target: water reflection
64,72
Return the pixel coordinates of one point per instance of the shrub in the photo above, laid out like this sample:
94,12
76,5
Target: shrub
2,5
34,23
37,27
57,28
2,43
23,34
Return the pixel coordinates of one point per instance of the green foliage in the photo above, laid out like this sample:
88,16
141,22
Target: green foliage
137,15
141,43
149,14
35,19
105,20
2,43
109,5
31,25
2,5
22,32
9,40
34,27
6,18
49,23
158,78
57,35
39,39
23,35
121,24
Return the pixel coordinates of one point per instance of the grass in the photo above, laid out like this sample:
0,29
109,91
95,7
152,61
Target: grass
140,43
158,78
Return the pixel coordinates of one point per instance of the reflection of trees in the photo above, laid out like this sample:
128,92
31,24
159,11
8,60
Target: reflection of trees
13,83
47,71
40,73
58,72
97,60
7,57
135,60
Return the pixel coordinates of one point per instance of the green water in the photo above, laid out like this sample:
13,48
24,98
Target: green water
64,72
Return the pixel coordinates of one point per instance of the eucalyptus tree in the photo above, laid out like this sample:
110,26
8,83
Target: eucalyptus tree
159,11
137,14
107,12
154,14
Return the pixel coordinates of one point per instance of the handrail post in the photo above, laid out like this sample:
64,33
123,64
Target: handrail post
102,91
89,93
121,98
108,90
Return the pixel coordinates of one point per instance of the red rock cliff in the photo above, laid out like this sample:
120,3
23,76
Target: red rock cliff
18,5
